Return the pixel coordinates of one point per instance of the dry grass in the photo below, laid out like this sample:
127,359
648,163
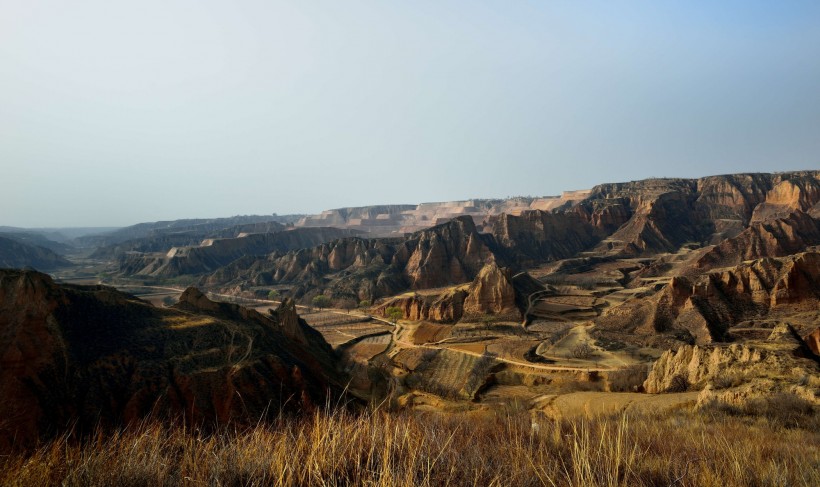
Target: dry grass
381,449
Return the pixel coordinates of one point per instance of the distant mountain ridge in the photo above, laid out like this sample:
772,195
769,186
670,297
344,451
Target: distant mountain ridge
15,254
620,220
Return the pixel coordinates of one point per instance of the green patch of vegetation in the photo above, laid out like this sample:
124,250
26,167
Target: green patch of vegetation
393,313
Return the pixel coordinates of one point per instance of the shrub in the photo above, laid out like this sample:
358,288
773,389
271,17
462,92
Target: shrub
627,379
393,313
727,381
321,301
582,351
679,383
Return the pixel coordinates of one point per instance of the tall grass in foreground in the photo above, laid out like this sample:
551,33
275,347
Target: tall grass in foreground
381,449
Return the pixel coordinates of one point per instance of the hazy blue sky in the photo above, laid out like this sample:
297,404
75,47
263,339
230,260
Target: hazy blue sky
115,112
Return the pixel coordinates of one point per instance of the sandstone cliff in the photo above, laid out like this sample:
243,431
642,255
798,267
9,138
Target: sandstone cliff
216,253
798,193
737,373
88,355
771,238
444,307
491,293
704,309
536,236
447,254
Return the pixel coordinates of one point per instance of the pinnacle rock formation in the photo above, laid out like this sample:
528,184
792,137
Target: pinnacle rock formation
491,292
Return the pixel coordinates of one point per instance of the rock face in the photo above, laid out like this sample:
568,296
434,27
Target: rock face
88,355
733,196
704,309
15,254
216,253
536,236
633,219
813,341
738,373
662,214
395,220
771,238
492,293
448,254
794,194
447,307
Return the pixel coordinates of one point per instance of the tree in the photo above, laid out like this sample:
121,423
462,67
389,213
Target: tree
364,303
582,351
168,301
321,301
273,294
393,313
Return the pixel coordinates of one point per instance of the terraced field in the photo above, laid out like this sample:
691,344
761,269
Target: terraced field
446,374
367,348
339,328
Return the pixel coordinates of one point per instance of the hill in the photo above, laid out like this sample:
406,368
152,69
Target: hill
90,355
15,254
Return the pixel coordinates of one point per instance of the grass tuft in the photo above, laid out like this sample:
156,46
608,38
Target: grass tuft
377,448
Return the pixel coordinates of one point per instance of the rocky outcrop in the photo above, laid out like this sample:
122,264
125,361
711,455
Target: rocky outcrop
15,254
734,196
660,224
691,367
703,309
536,236
491,293
738,373
771,238
659,215
89,355
447,254
798,193
446,307
812,341
216,253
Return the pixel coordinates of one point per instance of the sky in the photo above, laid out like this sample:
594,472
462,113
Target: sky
113,113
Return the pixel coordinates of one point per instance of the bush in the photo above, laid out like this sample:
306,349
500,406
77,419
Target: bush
582,351
321,301
627,379
393,313
679,383
727,381
780,409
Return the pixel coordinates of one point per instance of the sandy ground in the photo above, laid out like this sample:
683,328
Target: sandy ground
597,403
